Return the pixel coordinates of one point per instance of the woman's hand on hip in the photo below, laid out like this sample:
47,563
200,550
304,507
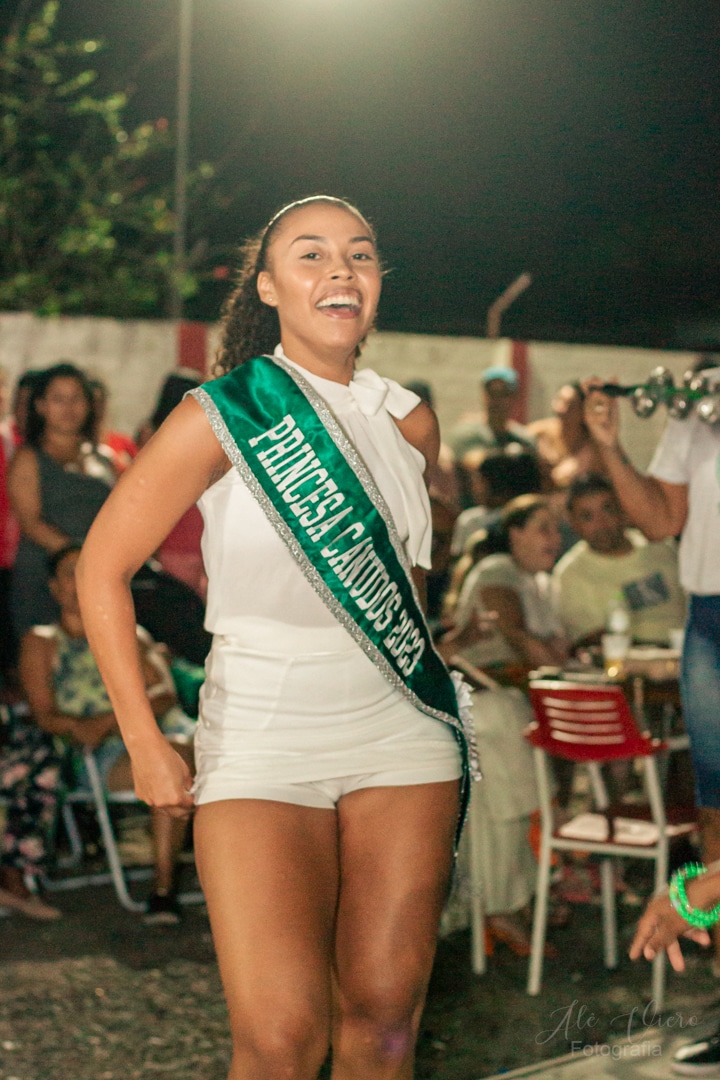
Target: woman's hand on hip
163,780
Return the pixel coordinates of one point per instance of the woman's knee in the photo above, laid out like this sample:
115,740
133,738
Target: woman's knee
288,1042
383,1015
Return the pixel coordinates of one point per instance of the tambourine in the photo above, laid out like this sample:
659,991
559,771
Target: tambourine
695,392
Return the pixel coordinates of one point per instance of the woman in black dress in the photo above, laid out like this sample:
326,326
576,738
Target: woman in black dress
57,483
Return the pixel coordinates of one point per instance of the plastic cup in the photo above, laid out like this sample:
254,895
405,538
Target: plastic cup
677,638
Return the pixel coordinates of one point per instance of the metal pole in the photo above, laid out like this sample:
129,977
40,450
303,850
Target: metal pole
503,302
181,156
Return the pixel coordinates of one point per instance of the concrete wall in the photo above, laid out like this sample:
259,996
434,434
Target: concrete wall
134,356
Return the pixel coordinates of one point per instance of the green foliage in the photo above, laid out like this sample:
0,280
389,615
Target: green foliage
86,218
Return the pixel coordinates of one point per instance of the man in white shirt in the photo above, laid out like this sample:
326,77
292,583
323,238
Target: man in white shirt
681,495
610,561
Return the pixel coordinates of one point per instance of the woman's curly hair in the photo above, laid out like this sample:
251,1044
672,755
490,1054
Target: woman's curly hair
250,327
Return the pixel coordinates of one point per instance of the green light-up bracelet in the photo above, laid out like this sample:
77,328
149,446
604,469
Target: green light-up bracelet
703,920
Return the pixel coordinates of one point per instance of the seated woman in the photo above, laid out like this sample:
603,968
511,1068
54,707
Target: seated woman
57,482
512,582
67,698
29,779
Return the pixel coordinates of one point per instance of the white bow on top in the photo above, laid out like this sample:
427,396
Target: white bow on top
369,391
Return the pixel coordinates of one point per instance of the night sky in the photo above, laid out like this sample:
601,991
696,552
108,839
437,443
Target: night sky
575,139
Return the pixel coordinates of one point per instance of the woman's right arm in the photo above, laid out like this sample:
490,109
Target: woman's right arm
658,508
26,501
166,478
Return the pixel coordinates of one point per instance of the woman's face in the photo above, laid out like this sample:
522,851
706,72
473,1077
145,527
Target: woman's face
324,279
64,406
536,545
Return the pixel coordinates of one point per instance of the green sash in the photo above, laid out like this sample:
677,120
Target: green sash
315,490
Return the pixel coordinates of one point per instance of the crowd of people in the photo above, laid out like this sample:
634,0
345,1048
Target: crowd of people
546,547
539,531
528,527
59,463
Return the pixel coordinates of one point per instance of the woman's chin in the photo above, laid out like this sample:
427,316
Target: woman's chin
347,342
345,333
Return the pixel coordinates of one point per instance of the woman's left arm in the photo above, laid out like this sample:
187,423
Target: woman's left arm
159,685
167,477
421,429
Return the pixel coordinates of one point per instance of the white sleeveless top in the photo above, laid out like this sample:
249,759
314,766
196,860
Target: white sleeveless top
251,572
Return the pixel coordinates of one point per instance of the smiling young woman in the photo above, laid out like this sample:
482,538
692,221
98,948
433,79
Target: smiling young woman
331,752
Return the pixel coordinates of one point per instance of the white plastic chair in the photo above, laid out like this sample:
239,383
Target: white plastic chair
592,725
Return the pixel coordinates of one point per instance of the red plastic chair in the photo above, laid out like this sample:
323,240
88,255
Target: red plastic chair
592,725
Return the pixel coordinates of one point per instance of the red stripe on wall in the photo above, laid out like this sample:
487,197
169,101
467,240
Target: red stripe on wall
192,346
521,363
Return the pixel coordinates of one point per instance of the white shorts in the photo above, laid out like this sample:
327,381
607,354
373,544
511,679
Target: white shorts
303,716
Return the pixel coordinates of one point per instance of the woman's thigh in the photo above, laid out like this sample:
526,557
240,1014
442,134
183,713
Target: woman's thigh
269,871
396,847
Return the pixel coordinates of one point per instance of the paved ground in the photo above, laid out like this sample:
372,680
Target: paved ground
99,997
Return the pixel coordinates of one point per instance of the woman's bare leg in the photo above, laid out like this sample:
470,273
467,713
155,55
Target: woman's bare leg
269,871
395,862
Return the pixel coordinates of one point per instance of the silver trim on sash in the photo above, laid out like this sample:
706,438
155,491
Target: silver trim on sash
465,725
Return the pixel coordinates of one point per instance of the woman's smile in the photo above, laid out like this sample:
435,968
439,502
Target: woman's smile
341,304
